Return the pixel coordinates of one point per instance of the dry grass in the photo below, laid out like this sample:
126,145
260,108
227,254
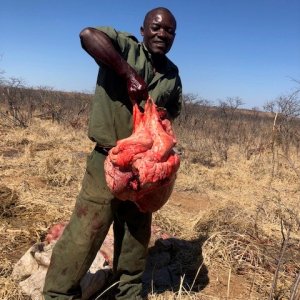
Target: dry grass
234,213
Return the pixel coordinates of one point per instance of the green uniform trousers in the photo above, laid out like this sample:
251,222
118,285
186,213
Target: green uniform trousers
94,212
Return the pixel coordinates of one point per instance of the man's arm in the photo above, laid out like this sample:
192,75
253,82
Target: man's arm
98,45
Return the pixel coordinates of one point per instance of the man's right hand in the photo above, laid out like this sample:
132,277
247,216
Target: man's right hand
137,88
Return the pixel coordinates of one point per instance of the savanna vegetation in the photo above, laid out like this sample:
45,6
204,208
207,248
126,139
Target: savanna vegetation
236,198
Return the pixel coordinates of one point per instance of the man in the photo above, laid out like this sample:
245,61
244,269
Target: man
129,70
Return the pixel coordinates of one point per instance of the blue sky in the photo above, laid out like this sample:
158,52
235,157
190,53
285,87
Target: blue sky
223,48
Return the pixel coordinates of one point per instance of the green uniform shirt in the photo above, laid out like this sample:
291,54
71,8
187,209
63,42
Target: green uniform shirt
111,111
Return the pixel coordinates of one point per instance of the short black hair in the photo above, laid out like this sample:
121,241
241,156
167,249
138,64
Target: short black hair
158,9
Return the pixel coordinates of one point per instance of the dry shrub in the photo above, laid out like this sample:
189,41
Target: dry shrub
240,239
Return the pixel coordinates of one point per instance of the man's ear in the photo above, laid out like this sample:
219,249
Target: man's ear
142,31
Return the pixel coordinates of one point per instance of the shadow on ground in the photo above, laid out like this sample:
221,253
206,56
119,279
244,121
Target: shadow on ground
173,263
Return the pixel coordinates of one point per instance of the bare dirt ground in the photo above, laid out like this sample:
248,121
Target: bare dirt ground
231,219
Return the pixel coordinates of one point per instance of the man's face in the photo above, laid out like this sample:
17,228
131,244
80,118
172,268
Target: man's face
159,32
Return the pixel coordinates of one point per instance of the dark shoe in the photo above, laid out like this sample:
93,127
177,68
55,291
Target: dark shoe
95,284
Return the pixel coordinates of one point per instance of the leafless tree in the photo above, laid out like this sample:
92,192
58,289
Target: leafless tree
286,111
227,114
18,100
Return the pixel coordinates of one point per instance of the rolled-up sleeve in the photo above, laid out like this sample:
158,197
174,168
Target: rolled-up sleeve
118,38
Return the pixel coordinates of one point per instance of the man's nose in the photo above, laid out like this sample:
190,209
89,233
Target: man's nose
162,33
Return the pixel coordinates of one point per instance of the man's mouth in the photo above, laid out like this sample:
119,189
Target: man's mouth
160,44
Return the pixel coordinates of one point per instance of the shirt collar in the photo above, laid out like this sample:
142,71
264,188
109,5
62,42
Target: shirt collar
167,64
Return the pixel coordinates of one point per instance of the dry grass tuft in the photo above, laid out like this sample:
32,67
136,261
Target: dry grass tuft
9,200
241,241
58,170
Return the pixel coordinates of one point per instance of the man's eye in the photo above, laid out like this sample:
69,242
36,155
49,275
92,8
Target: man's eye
170,31
155,27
